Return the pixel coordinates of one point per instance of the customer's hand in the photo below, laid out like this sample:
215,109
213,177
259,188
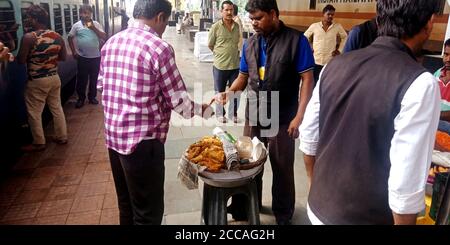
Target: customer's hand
207,111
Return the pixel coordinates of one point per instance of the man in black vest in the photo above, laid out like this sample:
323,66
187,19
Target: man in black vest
277,65
369,129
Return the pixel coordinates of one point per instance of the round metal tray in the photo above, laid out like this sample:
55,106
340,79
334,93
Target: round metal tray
226,178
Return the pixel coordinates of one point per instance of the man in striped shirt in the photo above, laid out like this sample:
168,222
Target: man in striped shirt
141,86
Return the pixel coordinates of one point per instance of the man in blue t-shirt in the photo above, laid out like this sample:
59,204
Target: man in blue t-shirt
276,60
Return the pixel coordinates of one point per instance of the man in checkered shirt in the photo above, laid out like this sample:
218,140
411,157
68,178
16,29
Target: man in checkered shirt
141,86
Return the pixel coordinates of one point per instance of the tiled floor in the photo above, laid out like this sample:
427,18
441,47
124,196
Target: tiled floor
72,184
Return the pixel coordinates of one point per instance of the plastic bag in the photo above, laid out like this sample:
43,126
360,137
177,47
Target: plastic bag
188,173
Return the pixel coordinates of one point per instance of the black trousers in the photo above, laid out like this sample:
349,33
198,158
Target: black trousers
317,70
139,181
282,154
222,78
88,68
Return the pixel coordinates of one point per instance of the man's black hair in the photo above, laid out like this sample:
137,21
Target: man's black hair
447,43
148,9
262,5
235,9
327,8
404,18
227,2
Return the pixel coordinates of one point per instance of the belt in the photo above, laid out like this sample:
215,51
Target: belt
43,75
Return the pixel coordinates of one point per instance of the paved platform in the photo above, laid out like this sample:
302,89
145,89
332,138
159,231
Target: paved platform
72,184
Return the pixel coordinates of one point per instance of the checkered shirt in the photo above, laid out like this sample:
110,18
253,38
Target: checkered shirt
141,84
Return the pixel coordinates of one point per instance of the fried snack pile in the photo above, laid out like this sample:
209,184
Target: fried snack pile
207,152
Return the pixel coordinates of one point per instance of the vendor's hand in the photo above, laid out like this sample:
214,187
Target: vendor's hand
222,97
207,111
293,128
75,55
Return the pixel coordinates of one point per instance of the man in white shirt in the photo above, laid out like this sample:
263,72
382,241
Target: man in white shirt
369,128
327,39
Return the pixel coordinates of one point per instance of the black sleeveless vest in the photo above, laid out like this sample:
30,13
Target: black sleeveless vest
280,72
360,96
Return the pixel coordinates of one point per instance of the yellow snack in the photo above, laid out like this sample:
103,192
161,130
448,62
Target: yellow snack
207,152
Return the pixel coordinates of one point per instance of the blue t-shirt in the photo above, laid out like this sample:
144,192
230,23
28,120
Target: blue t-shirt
304,56
352,40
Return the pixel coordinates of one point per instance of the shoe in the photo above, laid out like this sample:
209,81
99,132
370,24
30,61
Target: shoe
33,147
60,142
79,104
222,119
93,101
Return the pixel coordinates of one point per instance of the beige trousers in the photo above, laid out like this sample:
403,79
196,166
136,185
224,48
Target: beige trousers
38,92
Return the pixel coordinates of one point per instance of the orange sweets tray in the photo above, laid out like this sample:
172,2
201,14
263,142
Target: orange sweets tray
442,141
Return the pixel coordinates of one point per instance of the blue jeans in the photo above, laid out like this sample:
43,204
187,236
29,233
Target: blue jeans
222,78
444,126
